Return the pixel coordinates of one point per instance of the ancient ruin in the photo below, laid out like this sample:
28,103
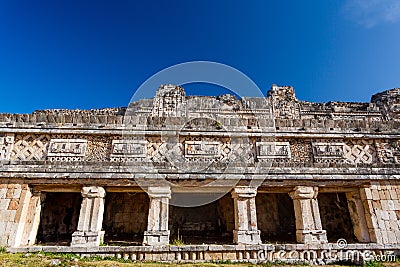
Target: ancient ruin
283,175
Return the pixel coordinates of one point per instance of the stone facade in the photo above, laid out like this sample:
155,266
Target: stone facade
256,150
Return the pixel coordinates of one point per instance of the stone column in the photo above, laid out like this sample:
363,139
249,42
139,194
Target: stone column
308,221
157,224
89,231
357,214
246,231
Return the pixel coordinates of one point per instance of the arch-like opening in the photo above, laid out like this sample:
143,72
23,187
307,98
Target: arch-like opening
59,218
275,217
335,216
125,218
211,223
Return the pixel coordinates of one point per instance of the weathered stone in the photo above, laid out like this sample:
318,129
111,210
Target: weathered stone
89,231
274,145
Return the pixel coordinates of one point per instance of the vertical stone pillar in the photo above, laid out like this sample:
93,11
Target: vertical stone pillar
21,208
33,218
157,224
246,231
357,214
308,220
89,231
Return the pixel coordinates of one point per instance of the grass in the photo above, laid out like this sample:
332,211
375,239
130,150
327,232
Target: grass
67,259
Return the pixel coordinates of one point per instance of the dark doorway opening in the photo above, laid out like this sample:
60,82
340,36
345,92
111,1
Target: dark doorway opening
125,218
275,217
335,216
59,218
212,223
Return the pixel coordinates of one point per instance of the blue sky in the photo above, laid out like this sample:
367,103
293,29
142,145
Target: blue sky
95,54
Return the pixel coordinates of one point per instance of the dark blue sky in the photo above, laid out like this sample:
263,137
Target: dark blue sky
94,54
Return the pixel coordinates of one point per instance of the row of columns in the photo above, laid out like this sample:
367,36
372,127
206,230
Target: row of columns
308,222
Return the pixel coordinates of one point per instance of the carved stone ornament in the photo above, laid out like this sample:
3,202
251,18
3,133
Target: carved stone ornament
268,150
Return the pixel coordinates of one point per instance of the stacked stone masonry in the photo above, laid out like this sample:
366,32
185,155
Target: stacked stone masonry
271,150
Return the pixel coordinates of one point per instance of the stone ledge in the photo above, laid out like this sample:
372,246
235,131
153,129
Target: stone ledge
213,253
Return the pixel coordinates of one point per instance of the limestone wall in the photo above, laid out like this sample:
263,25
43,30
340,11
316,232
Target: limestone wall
381,202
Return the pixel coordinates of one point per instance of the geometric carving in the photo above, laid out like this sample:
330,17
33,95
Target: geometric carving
202,149
388,153
29,147
128,150
328,150
6,145
273,150
361,151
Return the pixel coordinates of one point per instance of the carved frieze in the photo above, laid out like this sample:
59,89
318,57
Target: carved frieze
360,151
353,152
388,152
128,150
328,150
6,146
206,149
67,148
271,150
30,147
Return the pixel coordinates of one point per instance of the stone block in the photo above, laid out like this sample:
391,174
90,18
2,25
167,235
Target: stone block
375,194
385,238
393,194
212,256
17,193
229,255
4,203
13,204
10,192
381,224
3,192
365,194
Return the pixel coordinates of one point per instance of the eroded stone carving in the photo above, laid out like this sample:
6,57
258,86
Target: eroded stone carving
67,149
168,101
271,150
328,150
284,102
202,149
6,145
128,150
389,101
388,152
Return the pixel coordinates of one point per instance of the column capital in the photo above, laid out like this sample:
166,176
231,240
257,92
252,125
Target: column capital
304,192
159,191
93,192
244,191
